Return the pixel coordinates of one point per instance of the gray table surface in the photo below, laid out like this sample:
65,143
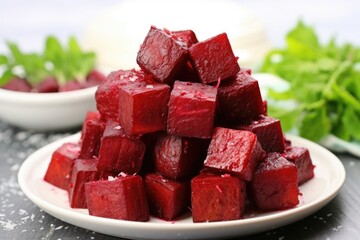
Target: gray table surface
28,22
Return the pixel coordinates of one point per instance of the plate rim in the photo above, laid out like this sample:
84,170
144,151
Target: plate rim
280,218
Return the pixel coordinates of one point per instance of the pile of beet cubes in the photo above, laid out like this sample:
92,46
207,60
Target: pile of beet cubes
189,131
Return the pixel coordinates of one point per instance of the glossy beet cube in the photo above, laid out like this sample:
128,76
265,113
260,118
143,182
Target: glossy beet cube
234,151
162,55
187,74
84,170
92,131
268,131
122,197
213,59
120,152
192,110
275,183
179,157
143,107
239,98
217,197
107,94
61,164
301,158
167,198
186,36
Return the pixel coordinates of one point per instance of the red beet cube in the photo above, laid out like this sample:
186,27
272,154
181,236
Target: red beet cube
143,107
186,36
217,197
84,170
187,74
239,98
268,131
167,198
275,183
61,164
301,158
234,151
162,55
107,94
122,197
192,110
92,131
48,85
120,152
213,59
178,157
89,116
18,84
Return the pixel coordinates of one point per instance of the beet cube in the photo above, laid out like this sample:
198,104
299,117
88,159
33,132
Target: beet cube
18,84
213,59
61,164
120,152
84,170
186,36
192,110
143,107
48,85
187,74
107,94
217,197
178,157
92,131
239,98
234,151
162,55
268,131
167,198
275,183
122,197
301,158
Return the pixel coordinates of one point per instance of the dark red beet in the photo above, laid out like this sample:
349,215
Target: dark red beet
118,152
95,76
217,197
90,115
167,198
143,106
61,164
107,94
18,84
187,74
186,36
91,135
275,183
213,59
48,85
70,86
239,98
234,151
84,170
161,55
122,197
301,158
268,131
192,110
179,158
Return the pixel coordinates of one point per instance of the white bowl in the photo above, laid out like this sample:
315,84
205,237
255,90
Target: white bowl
46,111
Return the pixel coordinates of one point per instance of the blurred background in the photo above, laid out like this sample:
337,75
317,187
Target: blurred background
114,29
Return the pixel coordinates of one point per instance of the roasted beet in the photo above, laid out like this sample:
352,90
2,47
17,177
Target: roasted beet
95,76
167,198
84,170
162,55
213,59
275,183
234,151
268,131
48,85
122,197
61,164
18,84
179,157
107,94
71,86
143,106
217,197
119,152
186,36
92,131
187,74
301,158
239,98
192,110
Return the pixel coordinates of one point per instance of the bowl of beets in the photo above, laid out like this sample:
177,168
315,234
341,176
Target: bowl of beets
48,91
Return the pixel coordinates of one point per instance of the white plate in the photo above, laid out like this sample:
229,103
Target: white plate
329,178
